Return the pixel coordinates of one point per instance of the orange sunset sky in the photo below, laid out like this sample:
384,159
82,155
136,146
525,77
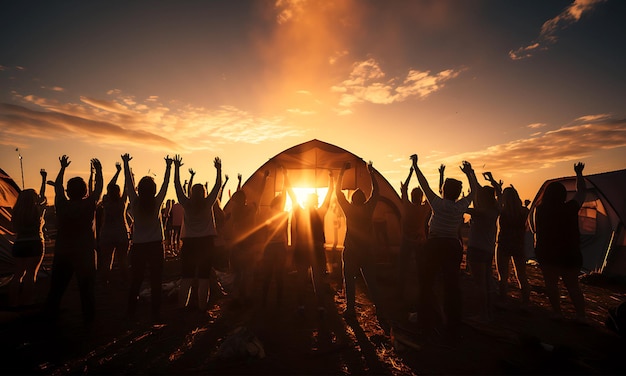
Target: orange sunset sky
523,89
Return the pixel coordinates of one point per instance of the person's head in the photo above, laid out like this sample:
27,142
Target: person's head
555,193
26,199
197,192
486,196
510,197
113,191
146,187
278,202
417,195
358,197
76,188
25,208
312,200
452,189
238,198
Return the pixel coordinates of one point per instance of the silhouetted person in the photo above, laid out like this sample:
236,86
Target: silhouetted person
177,213
27,219
444,250
75,244
358,255
558,242
481,247
308,239
147,248
511,238
198,234
275,228
243,235
113,238
414,227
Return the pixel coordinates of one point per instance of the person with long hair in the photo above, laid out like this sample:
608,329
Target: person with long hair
558,243
147,249
481,247
513,223
75,248
114,231
198,234
28,249
358,255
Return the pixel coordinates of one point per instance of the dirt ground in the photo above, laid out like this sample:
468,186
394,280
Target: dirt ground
280,341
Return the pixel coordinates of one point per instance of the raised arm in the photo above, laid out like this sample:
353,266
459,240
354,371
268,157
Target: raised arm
129,185
375,196
212,197
113,181
58,183
180,192
97,191
442,170
428,192
471,177
581,186
219,196
341,198
42,189
326,204
287,186
497,186
238,182
404,187
192,174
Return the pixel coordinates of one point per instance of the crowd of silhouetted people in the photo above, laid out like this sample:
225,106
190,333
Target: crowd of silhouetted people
131,228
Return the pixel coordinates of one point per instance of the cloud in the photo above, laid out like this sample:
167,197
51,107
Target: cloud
550,29
536,125
368,83
543,150
124,120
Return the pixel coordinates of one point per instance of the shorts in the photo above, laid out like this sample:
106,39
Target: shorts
27,248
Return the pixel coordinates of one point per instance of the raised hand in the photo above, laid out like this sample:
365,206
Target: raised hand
413,158
96,164
370,165
126,157
466,168
169,161
579,167
225,178
118,166
65,161
217,162
442,168
192,172
488,176
43,173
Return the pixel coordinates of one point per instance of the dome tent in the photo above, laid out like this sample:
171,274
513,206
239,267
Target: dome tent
9,191
307,165
601,220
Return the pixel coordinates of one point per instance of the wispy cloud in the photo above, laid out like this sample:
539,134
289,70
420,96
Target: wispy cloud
536,125
550,29
148,123
543,150
368,83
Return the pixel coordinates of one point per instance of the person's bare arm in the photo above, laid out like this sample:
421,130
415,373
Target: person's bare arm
129,184
467,169
58,183
341,198
326,204
166,179
404,187
428,192
192,174
581,186
219,196
212,197
180,192
42,189
289,188
442,170
375,196
97,191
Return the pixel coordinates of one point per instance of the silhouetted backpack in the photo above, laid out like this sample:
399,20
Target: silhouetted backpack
616,321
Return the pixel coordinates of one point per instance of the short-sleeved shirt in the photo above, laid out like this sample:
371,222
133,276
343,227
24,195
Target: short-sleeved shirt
446,217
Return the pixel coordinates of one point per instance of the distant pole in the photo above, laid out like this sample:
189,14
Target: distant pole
21,165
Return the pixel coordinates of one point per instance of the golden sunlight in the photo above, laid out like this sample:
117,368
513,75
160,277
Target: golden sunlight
302,194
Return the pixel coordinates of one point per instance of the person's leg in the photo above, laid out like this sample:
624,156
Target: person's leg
138,259
206,250
350,270
502,263
156,277
86,279
450,260
570,280
121,256
30,278
62,271
522,278
105,261
427,270
318,272
551,281
302,268
187,271
480,281
368,270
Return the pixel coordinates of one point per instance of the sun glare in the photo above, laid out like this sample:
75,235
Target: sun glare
302,194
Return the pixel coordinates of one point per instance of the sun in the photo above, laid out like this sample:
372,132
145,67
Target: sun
302,194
